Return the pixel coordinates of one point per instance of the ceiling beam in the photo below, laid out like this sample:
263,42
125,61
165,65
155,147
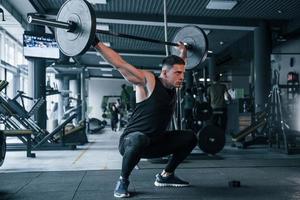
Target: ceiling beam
176,21
38,6
174,24
14,13
217,23
179,21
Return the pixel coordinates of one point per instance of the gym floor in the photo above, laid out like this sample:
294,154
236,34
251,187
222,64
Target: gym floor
91,171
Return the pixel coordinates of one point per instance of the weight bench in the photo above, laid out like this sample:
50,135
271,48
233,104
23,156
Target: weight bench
22,133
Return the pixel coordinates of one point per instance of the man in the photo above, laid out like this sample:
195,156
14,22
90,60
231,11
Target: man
114,112
216,93
125,97
145,135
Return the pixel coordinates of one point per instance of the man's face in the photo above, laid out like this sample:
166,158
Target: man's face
175,75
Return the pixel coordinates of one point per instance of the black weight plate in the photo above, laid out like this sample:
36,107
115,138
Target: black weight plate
195,37
77,42
202,111
211,139
2,148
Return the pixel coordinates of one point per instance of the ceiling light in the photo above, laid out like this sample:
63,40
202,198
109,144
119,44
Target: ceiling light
221,4
71,60
221,43
279,11
103,63
107,75
97,1
106,44
281,38
209,51
202,79
156,71
106,69
206,31
103,27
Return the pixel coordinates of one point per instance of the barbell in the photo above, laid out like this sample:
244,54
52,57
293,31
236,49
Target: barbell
76,28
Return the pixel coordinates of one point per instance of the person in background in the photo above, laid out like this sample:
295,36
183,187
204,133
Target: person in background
121,110
114,117
216,93
125,97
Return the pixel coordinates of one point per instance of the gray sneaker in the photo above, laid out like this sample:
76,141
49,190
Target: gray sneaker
169,181
121,190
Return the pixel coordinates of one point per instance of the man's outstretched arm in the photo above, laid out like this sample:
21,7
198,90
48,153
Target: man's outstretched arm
128,71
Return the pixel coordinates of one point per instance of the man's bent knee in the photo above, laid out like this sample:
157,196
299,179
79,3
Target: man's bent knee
135,140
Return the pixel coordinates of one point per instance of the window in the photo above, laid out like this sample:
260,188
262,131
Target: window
19,56
10,87
11,53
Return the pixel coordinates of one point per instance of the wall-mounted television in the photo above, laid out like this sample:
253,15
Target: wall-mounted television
40,46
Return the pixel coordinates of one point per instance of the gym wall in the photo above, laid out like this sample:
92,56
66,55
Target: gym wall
97,89
284,60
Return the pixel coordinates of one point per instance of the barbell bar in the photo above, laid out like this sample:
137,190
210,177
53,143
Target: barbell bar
142,38
76,28
71,27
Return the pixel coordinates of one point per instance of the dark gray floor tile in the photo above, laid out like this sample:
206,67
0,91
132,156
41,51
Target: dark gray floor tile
50,187
43,196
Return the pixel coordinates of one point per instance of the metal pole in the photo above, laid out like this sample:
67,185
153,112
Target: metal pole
166,26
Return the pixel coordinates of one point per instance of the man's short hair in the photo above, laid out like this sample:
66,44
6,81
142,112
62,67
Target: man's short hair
171,60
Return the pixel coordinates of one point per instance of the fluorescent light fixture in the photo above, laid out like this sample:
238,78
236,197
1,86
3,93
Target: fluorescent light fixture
106,69
103,63
71,60
202,79
107,75
209,51
103,27
156,71
106,44
221,4
173,24
97,1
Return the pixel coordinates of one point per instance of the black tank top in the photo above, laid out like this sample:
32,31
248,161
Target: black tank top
153,115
